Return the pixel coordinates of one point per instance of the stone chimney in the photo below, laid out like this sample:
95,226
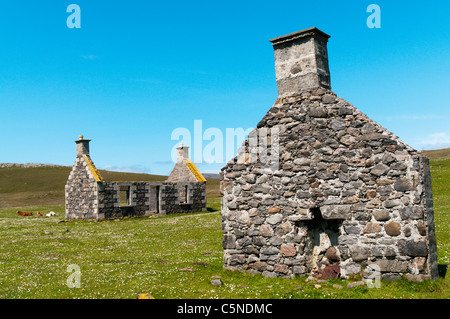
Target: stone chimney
182,153
82,146
301,61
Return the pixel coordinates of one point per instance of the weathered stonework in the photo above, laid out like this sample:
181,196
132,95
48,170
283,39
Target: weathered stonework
82,187
348,196
88,196
301,61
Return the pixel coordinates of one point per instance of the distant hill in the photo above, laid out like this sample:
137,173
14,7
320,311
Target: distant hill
438,154
33,184
7,165
210,175
43,184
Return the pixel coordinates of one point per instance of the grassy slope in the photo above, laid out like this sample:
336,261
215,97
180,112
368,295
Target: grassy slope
119,259
438,154
45,185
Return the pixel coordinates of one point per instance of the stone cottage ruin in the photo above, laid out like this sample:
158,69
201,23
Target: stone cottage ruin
89,196
347,196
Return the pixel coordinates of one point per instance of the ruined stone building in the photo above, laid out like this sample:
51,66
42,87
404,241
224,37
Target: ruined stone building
346,197
89,196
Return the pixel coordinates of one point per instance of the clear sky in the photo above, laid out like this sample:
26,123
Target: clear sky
137,70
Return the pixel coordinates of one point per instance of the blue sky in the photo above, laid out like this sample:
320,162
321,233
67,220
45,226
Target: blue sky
137,70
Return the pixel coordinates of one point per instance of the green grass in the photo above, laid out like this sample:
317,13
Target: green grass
440,180
120,259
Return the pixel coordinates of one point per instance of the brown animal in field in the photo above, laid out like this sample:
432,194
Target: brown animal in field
20,213
40,214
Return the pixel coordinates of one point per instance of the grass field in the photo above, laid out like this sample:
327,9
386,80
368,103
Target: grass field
174,256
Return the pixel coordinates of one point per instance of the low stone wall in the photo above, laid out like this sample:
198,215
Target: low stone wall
109,199
98,200
196,197
183,197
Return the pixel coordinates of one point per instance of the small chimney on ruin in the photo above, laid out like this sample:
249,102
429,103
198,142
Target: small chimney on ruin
182,153
82,146
301,61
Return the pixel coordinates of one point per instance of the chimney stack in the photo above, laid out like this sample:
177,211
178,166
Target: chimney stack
82,146
301,61
182,152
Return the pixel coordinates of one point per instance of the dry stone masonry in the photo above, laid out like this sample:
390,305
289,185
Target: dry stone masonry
348,197
89,196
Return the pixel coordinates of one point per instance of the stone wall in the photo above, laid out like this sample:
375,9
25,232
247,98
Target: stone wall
176,200
98,200
149,198
109,199
81,192
347,192
192,196
170,198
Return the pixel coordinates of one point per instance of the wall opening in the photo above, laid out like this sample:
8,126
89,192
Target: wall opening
157,198
183,194
323,256
125,196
